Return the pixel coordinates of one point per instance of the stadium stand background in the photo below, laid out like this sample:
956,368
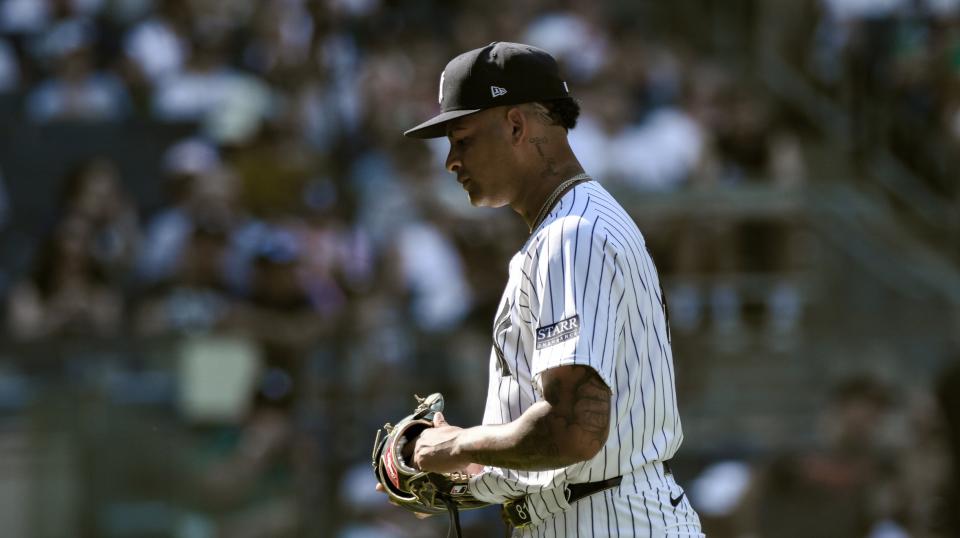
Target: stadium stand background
223,268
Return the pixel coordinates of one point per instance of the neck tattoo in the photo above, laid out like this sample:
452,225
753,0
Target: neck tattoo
552,199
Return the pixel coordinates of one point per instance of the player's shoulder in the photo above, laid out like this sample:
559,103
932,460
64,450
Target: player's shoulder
586,215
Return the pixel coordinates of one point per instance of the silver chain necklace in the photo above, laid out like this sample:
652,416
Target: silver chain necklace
553,198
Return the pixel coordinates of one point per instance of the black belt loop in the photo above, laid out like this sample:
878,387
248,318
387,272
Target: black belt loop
666,468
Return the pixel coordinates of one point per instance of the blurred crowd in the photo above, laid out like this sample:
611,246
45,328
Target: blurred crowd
298,105
880,468
895,65
300,226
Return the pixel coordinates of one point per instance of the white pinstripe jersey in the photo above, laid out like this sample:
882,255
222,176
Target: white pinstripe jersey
584,290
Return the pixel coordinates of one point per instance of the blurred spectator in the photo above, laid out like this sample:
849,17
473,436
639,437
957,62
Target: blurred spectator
156,48
184,264
719,493
280,312
339,261
574,39
407,223
752,143
9,68
93,193
195,296
76,91
747,145
6,273
316,113
281,320
846,10
67,293
199,188
24,16
4,201
658,152
273,170
433,275
924,463
229,104
947,517
891,66
856,483
284,31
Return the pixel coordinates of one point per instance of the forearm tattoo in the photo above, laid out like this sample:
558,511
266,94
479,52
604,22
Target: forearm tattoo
573,422
583,418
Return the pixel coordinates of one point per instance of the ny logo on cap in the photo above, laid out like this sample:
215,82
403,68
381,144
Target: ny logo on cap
440,99
497,91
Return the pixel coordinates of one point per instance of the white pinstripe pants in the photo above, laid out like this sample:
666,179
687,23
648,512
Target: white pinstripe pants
624,511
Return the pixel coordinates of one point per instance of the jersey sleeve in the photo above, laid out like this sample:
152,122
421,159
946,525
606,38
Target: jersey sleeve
575,287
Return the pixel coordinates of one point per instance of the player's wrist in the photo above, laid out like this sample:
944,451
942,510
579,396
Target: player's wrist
461,446
469,445
486,445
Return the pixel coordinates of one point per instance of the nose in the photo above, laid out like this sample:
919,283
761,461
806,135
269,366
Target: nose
453,163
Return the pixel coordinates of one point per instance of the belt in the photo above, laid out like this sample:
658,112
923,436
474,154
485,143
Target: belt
575,492
515,514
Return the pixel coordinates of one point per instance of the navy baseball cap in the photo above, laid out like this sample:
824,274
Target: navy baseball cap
499,74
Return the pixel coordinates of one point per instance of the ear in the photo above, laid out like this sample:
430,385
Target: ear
518,124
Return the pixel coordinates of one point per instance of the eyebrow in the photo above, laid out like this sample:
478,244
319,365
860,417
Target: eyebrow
454,131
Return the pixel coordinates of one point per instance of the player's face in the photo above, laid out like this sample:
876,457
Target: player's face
481,157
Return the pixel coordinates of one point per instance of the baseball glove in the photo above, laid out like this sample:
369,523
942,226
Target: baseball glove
410,488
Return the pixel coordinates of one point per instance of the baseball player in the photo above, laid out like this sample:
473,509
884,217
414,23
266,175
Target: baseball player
581,416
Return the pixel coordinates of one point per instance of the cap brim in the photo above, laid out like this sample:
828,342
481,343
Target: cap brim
436,127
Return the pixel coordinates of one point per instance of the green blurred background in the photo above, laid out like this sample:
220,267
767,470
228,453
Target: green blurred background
223,268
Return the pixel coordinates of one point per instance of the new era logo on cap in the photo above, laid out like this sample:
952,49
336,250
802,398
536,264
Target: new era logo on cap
499,74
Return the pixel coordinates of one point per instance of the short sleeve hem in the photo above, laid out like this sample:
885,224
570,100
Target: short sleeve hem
569,360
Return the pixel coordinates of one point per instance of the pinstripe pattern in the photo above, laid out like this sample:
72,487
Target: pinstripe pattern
588,262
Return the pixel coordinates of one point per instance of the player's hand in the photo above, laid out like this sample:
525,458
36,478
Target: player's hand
435,448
